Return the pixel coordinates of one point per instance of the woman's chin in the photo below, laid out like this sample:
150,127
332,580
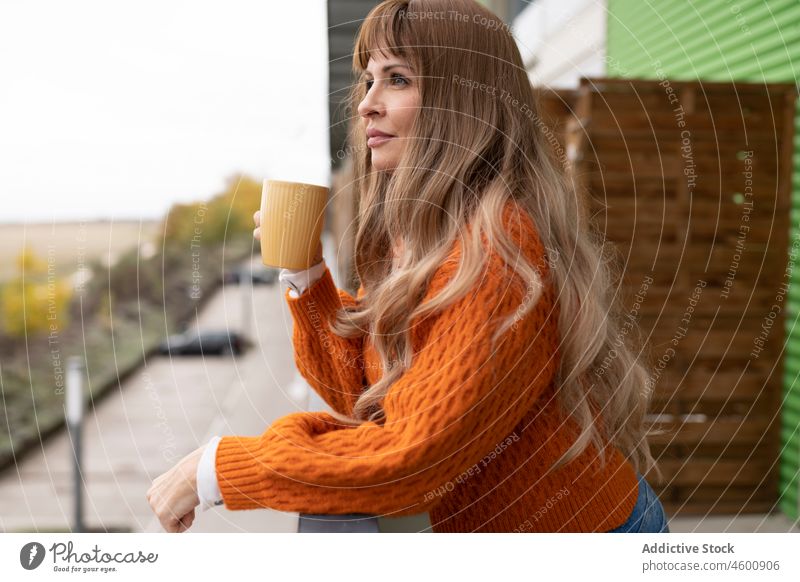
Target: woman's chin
381,164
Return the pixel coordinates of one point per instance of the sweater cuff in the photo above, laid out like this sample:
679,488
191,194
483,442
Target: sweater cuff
321,298
237,462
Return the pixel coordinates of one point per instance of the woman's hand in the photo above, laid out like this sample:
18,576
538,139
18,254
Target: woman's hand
257,235
173,495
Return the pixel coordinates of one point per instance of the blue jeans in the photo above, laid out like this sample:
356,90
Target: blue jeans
648,514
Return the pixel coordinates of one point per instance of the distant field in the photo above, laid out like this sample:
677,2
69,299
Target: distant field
70,244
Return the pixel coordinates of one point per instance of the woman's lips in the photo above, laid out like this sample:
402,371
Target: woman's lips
378,140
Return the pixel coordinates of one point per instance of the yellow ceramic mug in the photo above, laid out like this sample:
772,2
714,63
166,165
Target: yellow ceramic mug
292,217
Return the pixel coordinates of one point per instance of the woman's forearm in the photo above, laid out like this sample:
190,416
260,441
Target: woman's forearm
331,364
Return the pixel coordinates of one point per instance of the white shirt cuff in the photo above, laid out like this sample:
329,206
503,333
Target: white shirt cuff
207,487
298,280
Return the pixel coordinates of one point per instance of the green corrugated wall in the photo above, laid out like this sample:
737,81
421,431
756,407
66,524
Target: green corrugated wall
722,40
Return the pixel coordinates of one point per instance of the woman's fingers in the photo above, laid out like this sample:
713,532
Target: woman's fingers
257,229
186,522
174,525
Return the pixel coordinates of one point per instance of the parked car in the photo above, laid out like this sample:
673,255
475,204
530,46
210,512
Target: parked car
261,275
222,343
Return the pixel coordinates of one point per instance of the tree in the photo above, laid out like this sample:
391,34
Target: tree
227,215
35,301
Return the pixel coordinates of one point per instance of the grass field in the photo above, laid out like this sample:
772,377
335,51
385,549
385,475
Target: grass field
68,245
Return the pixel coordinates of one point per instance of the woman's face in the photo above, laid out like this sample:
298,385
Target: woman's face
388,109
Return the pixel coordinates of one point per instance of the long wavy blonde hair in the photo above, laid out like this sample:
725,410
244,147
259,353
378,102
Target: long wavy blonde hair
470,151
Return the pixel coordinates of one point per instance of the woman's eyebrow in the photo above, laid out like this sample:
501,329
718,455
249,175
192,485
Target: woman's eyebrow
392,66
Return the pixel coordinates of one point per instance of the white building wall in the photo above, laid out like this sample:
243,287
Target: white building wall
562,40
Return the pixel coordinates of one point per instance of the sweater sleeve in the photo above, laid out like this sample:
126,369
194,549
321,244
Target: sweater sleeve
455,402
332,365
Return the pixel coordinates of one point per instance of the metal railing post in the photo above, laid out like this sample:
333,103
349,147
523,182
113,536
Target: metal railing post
346,523
246,291
74,413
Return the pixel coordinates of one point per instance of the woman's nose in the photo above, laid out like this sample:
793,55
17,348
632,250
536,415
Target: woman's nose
370,104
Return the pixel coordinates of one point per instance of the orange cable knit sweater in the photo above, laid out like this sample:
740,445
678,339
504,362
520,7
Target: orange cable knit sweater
468,434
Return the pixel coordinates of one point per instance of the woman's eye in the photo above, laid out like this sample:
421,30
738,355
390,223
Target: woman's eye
396,77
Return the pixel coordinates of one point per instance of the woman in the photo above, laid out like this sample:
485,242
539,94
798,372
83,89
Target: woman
464,377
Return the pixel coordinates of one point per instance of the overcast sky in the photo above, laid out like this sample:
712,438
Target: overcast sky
112,109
